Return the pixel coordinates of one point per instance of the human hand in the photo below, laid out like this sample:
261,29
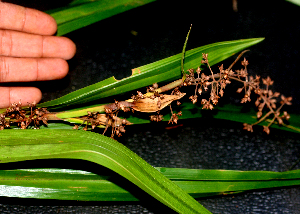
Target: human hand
28,52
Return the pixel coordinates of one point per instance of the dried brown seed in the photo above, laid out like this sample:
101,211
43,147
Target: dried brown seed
259,114
75,127
266,129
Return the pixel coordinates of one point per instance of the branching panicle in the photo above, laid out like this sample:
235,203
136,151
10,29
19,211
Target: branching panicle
109,119
268,107
216,83
15,114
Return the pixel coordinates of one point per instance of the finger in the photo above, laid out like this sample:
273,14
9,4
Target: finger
19,18
26,95
32,69
19,44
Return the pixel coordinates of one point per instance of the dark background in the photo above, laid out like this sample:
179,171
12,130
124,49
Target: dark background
108,48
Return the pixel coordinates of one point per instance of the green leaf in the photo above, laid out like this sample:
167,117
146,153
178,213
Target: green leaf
296,2
234,113
226,175
81,13
20,145
164,70
66,184
225,112
78,112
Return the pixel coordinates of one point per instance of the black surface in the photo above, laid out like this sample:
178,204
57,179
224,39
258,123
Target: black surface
108,48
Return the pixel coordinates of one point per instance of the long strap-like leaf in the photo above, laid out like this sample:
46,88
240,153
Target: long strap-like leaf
67,184
19,145
80,14
167,69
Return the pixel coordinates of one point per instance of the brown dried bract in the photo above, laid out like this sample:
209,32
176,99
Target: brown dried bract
154,104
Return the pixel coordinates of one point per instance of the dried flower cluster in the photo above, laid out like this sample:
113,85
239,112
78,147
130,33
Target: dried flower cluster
266,98
109,119
117,124
154,100
174,117
33,117
156,117
217,83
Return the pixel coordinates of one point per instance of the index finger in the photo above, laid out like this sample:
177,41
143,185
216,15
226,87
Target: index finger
15,17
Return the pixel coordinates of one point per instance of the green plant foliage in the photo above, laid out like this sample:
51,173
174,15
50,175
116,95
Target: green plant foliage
66,184
229,112
296,2
20,145
164,70
173,187
81,13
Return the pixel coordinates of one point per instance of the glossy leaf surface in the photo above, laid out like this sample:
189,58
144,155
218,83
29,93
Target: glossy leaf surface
66,184
20,145
79,14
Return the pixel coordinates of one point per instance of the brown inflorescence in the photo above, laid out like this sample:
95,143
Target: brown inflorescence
216,83
31,117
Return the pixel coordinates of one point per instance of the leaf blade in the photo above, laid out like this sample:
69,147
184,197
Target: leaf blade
65,184
80,14
19,145
164,70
